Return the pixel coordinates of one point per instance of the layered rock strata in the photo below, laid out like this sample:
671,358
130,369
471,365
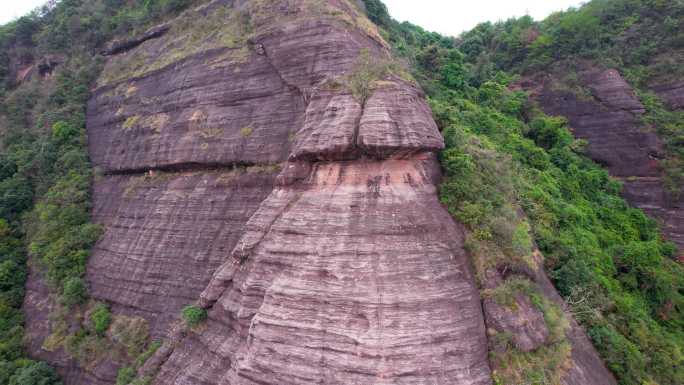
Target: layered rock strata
671,93
342,269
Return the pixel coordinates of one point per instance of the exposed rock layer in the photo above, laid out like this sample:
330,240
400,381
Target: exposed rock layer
672,93
166,234
354,275
343,269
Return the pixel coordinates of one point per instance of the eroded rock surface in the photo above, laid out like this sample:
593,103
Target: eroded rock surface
672,93
166,234
524,323
354,275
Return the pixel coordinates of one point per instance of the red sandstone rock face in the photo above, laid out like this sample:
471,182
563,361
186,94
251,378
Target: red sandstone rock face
166,234
354,275
672,93
617,139
343,269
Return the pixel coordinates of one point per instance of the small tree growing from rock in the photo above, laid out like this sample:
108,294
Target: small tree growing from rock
193,315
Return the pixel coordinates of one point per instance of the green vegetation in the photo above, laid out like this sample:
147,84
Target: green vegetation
127,374
28,372
504,156
366,71
193,315
45,172
101,318
643,39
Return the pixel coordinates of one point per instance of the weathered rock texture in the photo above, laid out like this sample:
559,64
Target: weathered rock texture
118,46
610,120
343,269
353,275
166,234
672,93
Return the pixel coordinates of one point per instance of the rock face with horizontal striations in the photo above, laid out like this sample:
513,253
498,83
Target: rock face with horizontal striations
671,93
610,121
241,172
166,234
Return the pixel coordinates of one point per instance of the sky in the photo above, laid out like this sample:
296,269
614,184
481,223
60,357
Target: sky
12,9
449,17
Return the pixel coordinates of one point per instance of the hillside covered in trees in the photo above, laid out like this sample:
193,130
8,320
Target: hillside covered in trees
529,191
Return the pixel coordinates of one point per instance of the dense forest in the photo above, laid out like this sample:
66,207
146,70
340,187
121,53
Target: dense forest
510,171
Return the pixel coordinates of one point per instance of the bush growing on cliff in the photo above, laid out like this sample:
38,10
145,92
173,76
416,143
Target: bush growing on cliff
101,318
74,292
365,72
125,375
193,315
34,373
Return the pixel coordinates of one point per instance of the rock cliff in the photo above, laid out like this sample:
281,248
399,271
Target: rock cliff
256,164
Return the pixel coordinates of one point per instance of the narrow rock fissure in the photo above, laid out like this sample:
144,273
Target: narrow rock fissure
260,50
189,167
357,128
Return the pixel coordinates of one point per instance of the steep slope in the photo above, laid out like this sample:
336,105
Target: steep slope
273,164
320,265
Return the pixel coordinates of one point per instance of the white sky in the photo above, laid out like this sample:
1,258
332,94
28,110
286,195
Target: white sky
12,9
449,17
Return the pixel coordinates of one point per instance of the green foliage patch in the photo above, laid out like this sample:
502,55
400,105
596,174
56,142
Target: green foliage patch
193,315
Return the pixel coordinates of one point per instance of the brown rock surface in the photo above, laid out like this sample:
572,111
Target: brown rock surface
354,275
525,323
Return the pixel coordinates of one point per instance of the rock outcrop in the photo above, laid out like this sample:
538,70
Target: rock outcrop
166,234
123,45
610,121
242,172
671,93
